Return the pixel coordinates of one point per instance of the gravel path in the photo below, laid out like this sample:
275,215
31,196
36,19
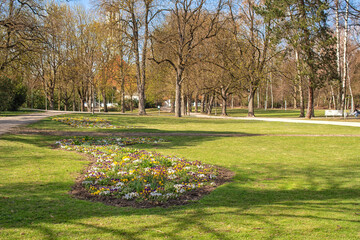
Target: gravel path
8,123
287,120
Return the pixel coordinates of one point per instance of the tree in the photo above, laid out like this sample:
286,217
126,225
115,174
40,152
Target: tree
256,41
188,25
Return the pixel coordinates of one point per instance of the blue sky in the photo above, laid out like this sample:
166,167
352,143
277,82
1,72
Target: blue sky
85,3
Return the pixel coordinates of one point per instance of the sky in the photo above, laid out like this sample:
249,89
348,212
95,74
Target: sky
85,3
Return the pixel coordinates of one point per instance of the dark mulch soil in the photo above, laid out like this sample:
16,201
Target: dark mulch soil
79,192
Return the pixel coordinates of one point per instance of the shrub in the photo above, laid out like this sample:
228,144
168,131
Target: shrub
12,94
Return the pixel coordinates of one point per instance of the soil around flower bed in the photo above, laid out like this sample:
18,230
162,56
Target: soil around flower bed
78,191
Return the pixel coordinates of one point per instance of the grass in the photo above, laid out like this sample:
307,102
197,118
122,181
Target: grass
286,187
16,113
169,124
279,113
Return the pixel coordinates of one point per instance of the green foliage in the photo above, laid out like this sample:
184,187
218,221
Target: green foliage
12,94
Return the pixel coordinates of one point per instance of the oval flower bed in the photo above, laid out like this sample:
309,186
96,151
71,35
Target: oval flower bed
82,122
128,174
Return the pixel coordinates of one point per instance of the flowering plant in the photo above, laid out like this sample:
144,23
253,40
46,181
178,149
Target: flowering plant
130,173
82,122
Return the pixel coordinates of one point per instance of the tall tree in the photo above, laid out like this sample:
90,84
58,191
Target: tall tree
187,26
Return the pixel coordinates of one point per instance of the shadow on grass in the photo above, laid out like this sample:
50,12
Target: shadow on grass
36,205
49,204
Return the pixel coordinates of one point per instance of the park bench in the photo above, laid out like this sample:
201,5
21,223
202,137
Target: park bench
334,113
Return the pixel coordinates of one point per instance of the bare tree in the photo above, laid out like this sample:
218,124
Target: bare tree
189,24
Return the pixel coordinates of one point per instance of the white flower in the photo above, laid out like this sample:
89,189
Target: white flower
155,194
178,186
87,182
130,195
171,171
104,193
120,184
172,176
169,195
201,175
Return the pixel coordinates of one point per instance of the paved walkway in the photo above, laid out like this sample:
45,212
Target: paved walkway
8,123
287,120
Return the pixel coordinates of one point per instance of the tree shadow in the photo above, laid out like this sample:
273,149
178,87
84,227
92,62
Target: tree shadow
33,205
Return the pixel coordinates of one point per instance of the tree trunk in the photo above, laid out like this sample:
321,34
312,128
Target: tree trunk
299,75
74,101
59,100
337,26
266,94
172,108
251,102
350,90
51,100
122,94
188,100
310,108
82,103
344,76
196,102
141,94
203,103
295,100
104,100
179,73
224,102
232,101
183,104
210,104
271,92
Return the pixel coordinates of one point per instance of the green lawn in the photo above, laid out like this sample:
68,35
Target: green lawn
276,113
286,187
169,124
16,113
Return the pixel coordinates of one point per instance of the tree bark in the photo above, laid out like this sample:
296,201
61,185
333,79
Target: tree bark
104,100
337,26
203,103
179,73
183,104
224,97
310,108
172,108
251,102
188,101
295,100
123,94
210,104
196,102
344,76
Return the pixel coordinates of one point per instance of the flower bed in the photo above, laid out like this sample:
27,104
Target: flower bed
132,174
81,122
